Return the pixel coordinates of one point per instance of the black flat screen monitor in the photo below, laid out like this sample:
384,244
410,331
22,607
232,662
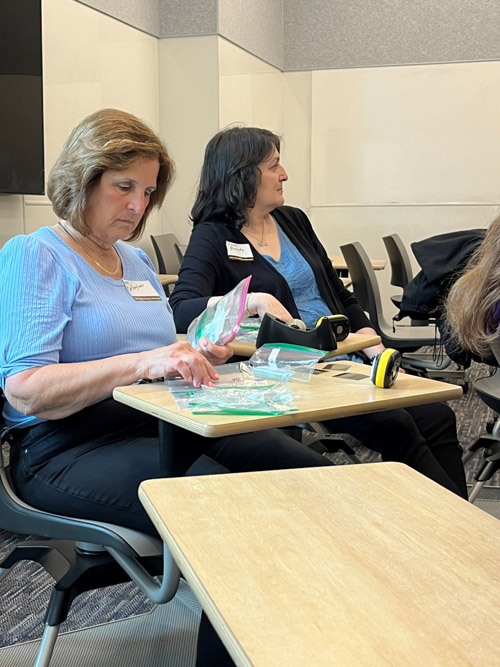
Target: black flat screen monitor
21,98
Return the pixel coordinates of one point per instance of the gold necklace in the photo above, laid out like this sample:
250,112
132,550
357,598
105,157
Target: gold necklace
261,243
93,259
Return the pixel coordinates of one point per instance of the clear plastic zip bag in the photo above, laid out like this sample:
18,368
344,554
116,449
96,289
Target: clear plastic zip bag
284,362
276,399
221,321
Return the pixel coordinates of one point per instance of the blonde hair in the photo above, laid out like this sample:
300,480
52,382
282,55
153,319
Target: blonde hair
474,296
107,139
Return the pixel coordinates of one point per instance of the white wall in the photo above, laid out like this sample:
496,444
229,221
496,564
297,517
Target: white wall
412,150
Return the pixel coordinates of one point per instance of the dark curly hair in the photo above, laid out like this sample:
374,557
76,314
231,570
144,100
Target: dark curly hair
230,175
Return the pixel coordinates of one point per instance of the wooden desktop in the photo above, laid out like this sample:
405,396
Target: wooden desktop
353,343
366,565
324,397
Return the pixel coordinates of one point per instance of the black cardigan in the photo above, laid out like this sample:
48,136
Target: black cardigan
208,271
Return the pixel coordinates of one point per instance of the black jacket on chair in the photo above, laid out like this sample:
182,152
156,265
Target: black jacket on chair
442,259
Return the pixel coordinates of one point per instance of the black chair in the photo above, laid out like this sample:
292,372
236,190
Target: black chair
168,255
406,339
316,436
83,554
180,250
488,444
401,271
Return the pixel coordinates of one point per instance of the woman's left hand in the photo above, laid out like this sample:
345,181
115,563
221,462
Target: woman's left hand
216,354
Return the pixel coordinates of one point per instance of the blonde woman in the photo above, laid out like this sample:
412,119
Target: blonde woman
473,304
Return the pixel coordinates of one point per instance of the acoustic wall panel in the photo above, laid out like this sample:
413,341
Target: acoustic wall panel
320,34
256,26
143,15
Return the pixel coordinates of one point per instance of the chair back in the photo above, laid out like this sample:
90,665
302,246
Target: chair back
166,252
179,249
495,348
364,281
366,291
125,545
401,270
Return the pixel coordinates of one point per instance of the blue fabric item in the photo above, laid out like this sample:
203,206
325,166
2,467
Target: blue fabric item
496,317
300,278
56,308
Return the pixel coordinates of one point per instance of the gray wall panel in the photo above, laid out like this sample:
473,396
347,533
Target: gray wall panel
325,34
185,18
143,15
256,26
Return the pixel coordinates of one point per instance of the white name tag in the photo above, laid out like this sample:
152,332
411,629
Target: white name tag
239,250
142,290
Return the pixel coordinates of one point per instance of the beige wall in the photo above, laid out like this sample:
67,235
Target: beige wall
189,115
412,150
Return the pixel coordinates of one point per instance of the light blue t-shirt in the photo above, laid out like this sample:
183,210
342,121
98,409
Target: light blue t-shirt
56,308
301,281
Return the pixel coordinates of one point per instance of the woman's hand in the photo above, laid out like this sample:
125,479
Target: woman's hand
260,303
183,359
216,354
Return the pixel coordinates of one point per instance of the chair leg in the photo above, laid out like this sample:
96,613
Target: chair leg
484,442
475,491
490,466
74,572
317,438
47,644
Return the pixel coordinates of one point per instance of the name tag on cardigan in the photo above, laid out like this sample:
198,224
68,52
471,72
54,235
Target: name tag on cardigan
142,290
241,251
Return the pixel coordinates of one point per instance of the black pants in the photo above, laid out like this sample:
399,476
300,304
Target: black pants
423,437
90,465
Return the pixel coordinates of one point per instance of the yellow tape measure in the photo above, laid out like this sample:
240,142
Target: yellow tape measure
385,368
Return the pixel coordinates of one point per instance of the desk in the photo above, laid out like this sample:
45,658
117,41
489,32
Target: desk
323,397
339,263
353,343
168,278
369,565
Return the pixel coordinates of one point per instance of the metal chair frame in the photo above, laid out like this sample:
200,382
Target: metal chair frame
84,555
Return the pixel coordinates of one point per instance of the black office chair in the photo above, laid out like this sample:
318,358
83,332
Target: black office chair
168,255
318,437
488,444
401,271
406,339
180,250
83,554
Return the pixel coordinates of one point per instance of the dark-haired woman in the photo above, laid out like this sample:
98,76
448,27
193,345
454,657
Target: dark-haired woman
240,228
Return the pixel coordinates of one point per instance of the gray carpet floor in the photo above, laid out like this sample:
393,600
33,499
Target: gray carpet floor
25,591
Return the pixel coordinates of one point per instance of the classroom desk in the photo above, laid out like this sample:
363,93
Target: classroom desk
353,343
323,397
168,278
339,263
366,565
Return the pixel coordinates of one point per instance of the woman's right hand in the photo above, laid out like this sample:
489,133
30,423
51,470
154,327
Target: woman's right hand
260,303
179,358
